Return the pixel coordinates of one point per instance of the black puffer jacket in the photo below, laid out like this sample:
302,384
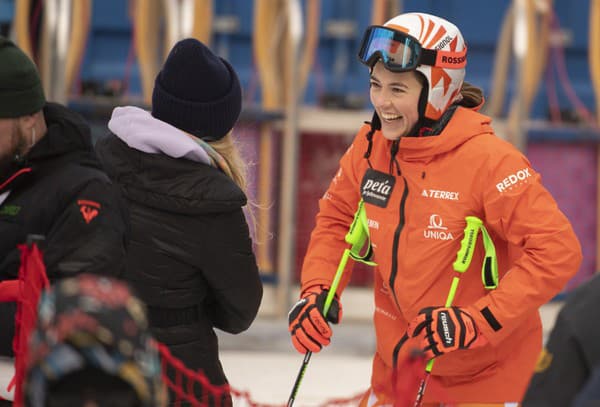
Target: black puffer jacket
190,253
59,191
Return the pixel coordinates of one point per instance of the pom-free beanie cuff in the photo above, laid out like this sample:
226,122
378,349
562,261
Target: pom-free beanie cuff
21,91
210,120
21,102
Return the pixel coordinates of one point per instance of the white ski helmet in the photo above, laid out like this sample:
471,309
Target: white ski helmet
425,43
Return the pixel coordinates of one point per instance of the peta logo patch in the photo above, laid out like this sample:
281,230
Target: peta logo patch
377,187
513,180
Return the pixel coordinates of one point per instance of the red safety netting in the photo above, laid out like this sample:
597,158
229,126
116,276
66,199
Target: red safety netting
189,387
188,384
26,291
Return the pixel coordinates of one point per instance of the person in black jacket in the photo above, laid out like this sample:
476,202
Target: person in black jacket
190,253
568,369
51,184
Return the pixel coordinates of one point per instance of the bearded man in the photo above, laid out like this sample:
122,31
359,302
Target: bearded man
51,184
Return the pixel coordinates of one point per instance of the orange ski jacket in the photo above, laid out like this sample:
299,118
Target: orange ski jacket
417,193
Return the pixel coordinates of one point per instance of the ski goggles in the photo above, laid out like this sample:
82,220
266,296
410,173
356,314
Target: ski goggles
401,52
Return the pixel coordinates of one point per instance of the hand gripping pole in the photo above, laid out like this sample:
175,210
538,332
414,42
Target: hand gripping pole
359,240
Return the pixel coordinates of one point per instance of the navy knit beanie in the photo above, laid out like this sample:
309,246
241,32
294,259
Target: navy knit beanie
197,91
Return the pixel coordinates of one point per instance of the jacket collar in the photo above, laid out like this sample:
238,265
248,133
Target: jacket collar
463,125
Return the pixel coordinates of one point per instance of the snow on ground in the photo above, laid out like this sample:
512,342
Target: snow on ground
269,377
263,362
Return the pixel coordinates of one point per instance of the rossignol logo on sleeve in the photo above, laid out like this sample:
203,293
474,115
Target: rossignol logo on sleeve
513,180
377,187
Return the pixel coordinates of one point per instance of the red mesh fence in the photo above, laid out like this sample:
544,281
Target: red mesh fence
194,388
190,388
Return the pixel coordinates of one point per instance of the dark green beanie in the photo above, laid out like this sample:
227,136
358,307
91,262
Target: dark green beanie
21,91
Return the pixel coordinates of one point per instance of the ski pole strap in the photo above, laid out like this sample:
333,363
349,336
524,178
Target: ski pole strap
489,270
358,237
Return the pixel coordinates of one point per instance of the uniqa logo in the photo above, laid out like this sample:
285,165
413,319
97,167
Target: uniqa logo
436,230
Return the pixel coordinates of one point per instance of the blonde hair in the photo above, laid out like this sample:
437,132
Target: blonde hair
236,167
237,170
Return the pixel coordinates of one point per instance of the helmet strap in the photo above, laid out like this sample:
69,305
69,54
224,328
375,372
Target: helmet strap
375,124
423,121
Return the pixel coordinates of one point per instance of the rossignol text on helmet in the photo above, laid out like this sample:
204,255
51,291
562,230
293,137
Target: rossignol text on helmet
424,43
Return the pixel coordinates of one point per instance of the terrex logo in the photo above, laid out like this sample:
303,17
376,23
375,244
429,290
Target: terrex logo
438,194
513,180
436,230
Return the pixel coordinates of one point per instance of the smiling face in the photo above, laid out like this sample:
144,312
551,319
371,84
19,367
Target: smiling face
395,97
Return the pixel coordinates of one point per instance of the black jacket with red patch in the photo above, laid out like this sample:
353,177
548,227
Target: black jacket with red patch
58,190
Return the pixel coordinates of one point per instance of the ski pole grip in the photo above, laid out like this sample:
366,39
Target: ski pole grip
357,235
467,245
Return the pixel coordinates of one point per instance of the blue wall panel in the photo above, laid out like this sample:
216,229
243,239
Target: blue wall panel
336,69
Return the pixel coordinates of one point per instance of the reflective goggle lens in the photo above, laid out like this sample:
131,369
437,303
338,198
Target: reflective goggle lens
398,51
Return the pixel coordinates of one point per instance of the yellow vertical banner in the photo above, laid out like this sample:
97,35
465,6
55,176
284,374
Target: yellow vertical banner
594,62
21,27
146,23
81,18
268,28
203,17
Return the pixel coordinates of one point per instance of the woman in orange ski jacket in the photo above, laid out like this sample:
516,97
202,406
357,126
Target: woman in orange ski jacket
426,161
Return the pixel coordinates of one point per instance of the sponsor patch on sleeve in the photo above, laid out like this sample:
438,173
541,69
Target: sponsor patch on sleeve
89,209
544,361
514,180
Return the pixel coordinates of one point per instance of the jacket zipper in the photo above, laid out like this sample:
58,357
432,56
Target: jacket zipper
393,275
397,232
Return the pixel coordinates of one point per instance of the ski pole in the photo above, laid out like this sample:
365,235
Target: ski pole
357,236
460,265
